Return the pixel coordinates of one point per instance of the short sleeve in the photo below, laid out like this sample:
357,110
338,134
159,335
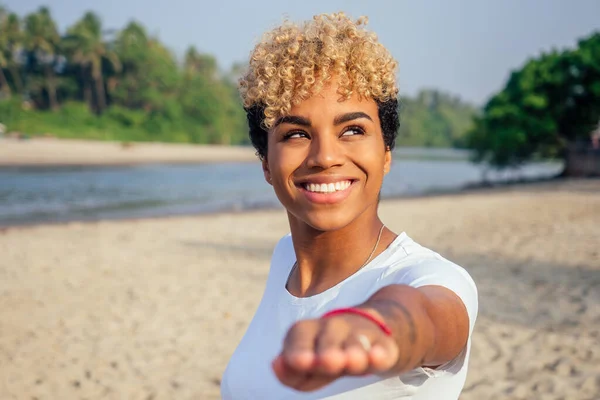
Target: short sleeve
444,273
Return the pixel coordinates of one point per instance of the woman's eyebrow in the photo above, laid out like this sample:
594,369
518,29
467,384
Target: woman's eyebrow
340,119
292,119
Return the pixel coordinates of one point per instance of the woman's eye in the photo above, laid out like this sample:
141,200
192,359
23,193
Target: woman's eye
295,135
353,131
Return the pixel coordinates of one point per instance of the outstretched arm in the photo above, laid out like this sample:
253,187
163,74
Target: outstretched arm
429,327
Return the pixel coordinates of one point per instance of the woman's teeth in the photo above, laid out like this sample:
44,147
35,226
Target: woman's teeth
327,187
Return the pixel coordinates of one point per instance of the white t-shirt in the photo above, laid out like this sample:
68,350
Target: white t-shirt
249,374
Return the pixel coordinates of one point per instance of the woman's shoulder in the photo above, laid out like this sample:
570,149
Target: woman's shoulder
404,251
416,265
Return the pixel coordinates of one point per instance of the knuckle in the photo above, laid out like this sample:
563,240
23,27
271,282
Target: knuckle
326,342
333,324
299,333
298,328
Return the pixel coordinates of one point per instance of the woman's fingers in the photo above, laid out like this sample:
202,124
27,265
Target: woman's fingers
383,355
285,374
357,347
297,358
298,380
299,345
331,357
316,352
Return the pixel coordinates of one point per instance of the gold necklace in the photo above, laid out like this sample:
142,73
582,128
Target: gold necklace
361,267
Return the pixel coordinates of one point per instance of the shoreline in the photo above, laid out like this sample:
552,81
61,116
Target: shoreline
541,184
58,153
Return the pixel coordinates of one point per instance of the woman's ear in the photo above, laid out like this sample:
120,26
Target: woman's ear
387,164
266,171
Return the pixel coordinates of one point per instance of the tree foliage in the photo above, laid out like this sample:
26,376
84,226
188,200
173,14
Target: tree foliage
123,85
552,101
434,119
90,82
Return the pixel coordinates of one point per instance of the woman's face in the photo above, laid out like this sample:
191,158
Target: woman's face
326,160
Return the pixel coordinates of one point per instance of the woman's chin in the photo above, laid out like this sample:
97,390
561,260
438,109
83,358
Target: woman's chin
327,220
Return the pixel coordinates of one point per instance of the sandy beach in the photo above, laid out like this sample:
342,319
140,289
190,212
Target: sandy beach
64,152
152,309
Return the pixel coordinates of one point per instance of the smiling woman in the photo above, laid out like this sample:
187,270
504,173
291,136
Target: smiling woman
351,310
322,143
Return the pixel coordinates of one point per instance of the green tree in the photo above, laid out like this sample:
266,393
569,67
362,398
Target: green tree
202,95
434,119
150,75
552,101
42,40
11,47
196,63
87,48
3,51
211,100
14,35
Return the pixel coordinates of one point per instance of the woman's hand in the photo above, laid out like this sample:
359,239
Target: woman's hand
429,326
318,351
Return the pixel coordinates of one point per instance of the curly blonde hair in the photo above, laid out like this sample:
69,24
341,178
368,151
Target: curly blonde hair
295,61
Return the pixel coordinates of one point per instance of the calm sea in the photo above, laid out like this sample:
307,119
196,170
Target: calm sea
35,195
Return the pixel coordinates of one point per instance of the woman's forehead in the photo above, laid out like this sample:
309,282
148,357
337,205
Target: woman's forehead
329,101
332,108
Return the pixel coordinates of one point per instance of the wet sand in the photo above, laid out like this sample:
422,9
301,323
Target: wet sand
152,309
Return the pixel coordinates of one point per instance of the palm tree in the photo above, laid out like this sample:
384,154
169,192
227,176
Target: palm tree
85,43
14,49
3,51
198,63
42,40
3,64
137,54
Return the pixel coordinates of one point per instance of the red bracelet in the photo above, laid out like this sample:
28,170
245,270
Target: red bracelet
352,310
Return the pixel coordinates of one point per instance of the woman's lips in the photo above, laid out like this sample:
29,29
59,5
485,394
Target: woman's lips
326,193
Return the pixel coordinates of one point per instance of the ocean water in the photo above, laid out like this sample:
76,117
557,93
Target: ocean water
37,195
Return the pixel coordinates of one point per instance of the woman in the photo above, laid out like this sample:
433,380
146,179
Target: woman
351,310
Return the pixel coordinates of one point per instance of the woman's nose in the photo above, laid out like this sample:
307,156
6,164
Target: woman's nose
325,152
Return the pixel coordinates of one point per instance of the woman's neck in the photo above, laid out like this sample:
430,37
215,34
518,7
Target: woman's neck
326,258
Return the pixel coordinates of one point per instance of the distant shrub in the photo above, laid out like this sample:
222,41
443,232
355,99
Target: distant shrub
125,117
72,112
11,111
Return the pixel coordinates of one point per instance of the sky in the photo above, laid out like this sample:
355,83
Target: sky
464,47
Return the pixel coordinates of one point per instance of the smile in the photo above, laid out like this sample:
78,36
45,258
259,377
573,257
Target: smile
327,187
327,192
